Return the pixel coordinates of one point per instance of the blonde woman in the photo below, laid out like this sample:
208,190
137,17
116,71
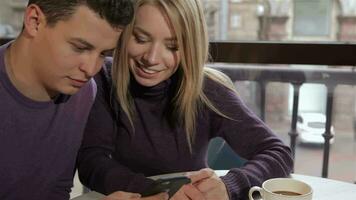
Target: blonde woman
159,107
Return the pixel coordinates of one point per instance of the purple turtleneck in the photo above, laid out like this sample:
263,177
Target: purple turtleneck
113,157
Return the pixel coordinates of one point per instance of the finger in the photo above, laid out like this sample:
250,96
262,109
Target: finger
213,188
208,184
193,193
160,196
180,195
120,195
200,175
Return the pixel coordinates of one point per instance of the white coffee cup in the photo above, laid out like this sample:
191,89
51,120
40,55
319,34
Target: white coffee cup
282,189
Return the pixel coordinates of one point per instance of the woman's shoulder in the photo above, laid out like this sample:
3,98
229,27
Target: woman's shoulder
216,82
221,95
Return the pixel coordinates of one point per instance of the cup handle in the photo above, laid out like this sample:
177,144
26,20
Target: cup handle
254,189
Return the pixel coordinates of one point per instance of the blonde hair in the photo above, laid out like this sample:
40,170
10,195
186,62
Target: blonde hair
187,19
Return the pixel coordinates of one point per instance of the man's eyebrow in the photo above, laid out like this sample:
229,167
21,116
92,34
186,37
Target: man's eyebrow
83,42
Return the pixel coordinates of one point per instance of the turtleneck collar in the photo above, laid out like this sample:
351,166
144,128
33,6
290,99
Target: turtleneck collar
158,91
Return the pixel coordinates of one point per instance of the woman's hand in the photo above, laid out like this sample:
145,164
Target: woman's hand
123,196
134,196
208,183
188,192
160,196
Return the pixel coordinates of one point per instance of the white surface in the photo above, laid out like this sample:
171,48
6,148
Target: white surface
77,188
328,189
323,189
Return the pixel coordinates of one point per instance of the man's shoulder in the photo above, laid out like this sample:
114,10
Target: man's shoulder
4,46
2,52
91,89
107,65
104,78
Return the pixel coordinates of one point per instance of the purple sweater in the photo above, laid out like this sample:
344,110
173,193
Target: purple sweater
39,141
113,158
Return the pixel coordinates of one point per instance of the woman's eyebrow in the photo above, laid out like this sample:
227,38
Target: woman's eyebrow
143,31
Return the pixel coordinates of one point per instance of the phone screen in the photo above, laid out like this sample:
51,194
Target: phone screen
169,185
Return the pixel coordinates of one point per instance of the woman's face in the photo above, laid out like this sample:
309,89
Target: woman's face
152,47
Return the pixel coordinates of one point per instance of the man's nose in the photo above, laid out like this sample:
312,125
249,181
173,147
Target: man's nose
91,65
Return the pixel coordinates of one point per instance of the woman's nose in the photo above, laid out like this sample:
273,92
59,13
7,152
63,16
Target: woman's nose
151,57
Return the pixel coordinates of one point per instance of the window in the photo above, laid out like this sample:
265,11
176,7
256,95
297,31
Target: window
312,17
235,21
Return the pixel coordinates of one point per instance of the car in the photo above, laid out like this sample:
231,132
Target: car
311,127
7,31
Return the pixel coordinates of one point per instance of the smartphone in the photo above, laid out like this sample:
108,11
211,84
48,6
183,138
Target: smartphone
170,185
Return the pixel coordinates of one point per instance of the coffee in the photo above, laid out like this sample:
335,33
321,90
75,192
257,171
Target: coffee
287,193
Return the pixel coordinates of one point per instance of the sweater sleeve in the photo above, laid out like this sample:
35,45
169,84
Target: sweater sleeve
267,157
95,164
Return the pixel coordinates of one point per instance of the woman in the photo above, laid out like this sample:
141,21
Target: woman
163,109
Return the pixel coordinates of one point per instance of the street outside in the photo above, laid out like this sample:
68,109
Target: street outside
309,158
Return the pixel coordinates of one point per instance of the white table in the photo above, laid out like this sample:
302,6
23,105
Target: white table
324,189
328,189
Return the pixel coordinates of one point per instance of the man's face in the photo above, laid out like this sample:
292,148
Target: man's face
68,54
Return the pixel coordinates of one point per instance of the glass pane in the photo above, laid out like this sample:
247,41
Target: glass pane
312,109
281,20
312,17
316,125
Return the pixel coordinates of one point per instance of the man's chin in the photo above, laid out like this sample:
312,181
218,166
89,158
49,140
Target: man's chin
70,91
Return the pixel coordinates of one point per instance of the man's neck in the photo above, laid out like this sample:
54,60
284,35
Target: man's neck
19,67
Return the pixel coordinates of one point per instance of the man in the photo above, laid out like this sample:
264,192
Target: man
46,91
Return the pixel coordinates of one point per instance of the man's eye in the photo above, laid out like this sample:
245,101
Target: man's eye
79,49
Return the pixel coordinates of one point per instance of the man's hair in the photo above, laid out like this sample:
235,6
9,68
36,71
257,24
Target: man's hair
115,12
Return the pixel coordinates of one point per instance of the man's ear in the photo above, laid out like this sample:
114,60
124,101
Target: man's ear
33,19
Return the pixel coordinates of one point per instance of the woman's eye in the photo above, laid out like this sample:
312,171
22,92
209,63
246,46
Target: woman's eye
173,48
140,39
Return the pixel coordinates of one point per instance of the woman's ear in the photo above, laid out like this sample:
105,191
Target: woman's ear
33,19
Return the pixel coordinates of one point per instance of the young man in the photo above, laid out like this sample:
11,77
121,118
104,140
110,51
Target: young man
46,91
